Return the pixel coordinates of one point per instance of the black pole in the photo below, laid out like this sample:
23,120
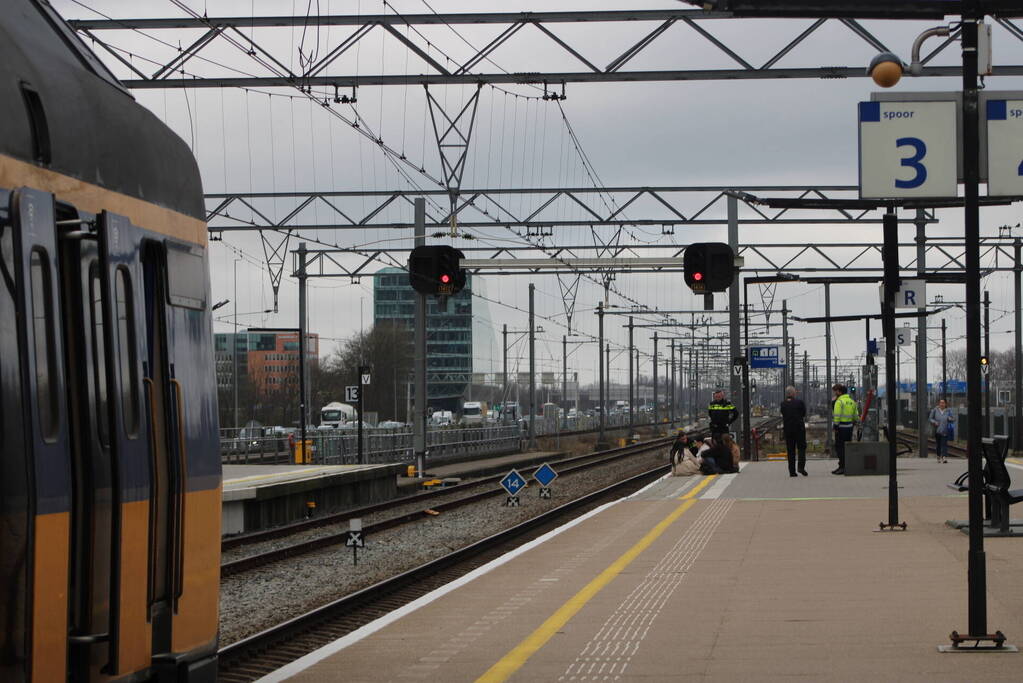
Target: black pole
303,409
655,378
632,386
504,376
564,372
601,441
358,382
944,363
745,374
607,365
987,352
977,571
890,256
1017,397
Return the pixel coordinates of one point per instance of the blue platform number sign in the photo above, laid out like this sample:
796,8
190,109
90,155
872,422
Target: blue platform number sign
513,482
766,357
908,149
1005,147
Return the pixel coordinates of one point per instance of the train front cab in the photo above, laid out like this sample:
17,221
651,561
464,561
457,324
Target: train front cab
110,475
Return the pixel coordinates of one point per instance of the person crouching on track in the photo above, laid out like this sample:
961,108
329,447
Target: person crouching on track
793,415
722,414
843,417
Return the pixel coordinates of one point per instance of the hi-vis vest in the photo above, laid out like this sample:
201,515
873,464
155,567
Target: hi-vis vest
845,410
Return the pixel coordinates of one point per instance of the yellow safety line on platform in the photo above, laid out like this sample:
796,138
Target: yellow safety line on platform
517,657
258,477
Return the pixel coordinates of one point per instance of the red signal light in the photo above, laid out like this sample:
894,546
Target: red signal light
445,278
697,276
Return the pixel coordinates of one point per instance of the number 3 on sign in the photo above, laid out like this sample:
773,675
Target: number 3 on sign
913,161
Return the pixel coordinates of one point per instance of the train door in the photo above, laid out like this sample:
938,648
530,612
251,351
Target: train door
148,443
44,553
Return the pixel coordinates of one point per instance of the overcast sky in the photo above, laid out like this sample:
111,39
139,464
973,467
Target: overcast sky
735,133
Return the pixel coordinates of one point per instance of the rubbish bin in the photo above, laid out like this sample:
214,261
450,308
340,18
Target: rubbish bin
304,451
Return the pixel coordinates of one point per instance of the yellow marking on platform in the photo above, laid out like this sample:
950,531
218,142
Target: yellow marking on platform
258,477
1015,460
520,654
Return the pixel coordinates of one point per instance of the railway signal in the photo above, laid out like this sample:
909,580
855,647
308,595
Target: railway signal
708,267
435,270
985,365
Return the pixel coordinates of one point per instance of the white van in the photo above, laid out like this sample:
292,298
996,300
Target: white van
474,412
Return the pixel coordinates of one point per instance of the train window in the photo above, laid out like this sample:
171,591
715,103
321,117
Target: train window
42,333
186,278
126,355
99,354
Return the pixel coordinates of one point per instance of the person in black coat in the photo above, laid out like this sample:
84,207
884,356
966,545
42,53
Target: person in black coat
793,413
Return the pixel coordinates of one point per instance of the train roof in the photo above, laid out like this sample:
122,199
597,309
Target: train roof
63,111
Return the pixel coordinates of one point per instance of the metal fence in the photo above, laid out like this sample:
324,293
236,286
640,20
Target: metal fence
340,447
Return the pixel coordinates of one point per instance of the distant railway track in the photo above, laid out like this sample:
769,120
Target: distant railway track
440,500
908,437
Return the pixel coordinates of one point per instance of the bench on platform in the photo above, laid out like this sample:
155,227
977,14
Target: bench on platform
999,484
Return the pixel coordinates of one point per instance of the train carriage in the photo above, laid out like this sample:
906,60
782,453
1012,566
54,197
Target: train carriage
109,461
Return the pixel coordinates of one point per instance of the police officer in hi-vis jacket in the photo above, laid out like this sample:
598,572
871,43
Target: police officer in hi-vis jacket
844,415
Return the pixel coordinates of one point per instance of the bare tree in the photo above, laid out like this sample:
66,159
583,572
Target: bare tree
386,349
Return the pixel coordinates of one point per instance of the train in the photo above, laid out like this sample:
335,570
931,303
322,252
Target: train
110,475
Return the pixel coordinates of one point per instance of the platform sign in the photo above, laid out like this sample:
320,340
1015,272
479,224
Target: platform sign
911,294
352,393
767,357
366,377
513,482
904,336
1005,147
907,149
737,365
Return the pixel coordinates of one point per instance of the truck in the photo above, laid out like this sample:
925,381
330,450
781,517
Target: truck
474,412
334,415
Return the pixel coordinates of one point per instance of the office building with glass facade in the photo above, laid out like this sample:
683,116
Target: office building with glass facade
448,334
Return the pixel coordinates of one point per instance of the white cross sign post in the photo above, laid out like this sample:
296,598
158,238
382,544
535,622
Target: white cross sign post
1004,147
355,539
908,149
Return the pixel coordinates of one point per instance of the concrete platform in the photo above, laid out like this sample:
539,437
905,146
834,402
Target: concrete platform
483,467
259,496
748,577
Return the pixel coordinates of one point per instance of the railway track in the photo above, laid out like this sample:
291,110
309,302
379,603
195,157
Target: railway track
259,654
908,437
432,502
